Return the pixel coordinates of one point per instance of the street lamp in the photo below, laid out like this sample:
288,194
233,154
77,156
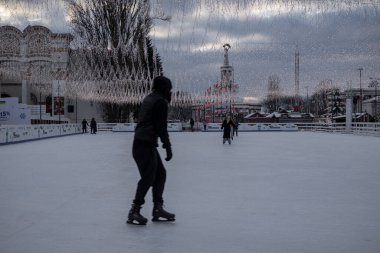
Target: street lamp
361,95
1,76
307,99
230,82
213,111
375,83
59,104
39,87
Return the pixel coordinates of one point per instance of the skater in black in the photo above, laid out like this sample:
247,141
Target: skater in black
226,126
84,126
192,124
93,126
152,124
236,128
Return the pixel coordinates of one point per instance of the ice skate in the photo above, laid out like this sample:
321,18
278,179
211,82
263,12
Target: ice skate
134,216
161,215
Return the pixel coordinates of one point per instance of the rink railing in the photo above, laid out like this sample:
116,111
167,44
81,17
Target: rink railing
20,133
372,129
210,127
359,128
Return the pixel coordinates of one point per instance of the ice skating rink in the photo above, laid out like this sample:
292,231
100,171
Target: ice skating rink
266,193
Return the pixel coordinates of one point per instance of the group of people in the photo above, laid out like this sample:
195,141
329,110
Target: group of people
92,125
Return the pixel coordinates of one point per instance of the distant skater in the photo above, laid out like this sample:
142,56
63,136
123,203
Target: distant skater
152,124
205,125
236,127
192,124
84,126
226,126
93,126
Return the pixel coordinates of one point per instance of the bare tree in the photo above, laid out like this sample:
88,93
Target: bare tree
320,99
115,51
273,95
115,36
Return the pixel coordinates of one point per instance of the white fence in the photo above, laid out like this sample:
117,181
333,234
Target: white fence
372,129
130,127
210,127
20,133
256,127
365,128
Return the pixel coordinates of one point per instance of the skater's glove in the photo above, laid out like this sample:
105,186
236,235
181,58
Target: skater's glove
169,153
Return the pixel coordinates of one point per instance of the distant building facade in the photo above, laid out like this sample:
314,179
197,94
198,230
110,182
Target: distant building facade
33,63
365,100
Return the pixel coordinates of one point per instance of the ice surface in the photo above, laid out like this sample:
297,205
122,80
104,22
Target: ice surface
267,192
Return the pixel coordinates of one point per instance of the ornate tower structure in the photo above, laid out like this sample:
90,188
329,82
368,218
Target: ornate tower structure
220,97
226,71
227,76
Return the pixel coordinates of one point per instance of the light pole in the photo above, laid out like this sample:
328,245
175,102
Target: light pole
39,86
1,77
307,99
213,111
40,94
76,109
361,95
230,82
375,83
204,111
59,104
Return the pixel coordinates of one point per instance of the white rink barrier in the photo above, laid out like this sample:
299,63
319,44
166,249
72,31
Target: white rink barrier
124,127
248,127
130,127
19,133
175,127
255,127
213,127
358,128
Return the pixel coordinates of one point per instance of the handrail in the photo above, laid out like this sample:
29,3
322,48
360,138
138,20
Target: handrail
19,133
359,128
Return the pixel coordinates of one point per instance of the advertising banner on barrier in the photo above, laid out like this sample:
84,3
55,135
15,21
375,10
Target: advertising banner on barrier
12,113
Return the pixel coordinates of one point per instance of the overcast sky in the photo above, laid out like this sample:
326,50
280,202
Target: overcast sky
334,39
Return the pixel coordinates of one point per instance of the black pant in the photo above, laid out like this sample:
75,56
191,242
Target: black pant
152,172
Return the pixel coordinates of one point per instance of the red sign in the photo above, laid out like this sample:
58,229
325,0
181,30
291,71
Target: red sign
59,105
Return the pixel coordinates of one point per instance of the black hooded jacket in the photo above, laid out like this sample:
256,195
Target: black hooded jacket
152,120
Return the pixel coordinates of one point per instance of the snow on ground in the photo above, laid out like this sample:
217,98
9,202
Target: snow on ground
267,192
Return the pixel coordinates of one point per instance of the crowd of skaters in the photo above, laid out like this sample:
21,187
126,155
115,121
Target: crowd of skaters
229,126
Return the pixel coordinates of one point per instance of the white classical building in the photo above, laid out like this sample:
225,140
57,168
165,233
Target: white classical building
33,64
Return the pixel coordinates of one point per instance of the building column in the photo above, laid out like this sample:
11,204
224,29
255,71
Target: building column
348,114
1,79
24,92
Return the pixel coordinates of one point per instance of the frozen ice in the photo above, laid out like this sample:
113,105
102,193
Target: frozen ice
266,192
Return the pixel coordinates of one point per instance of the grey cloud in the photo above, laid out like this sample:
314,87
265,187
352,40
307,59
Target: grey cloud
332,45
